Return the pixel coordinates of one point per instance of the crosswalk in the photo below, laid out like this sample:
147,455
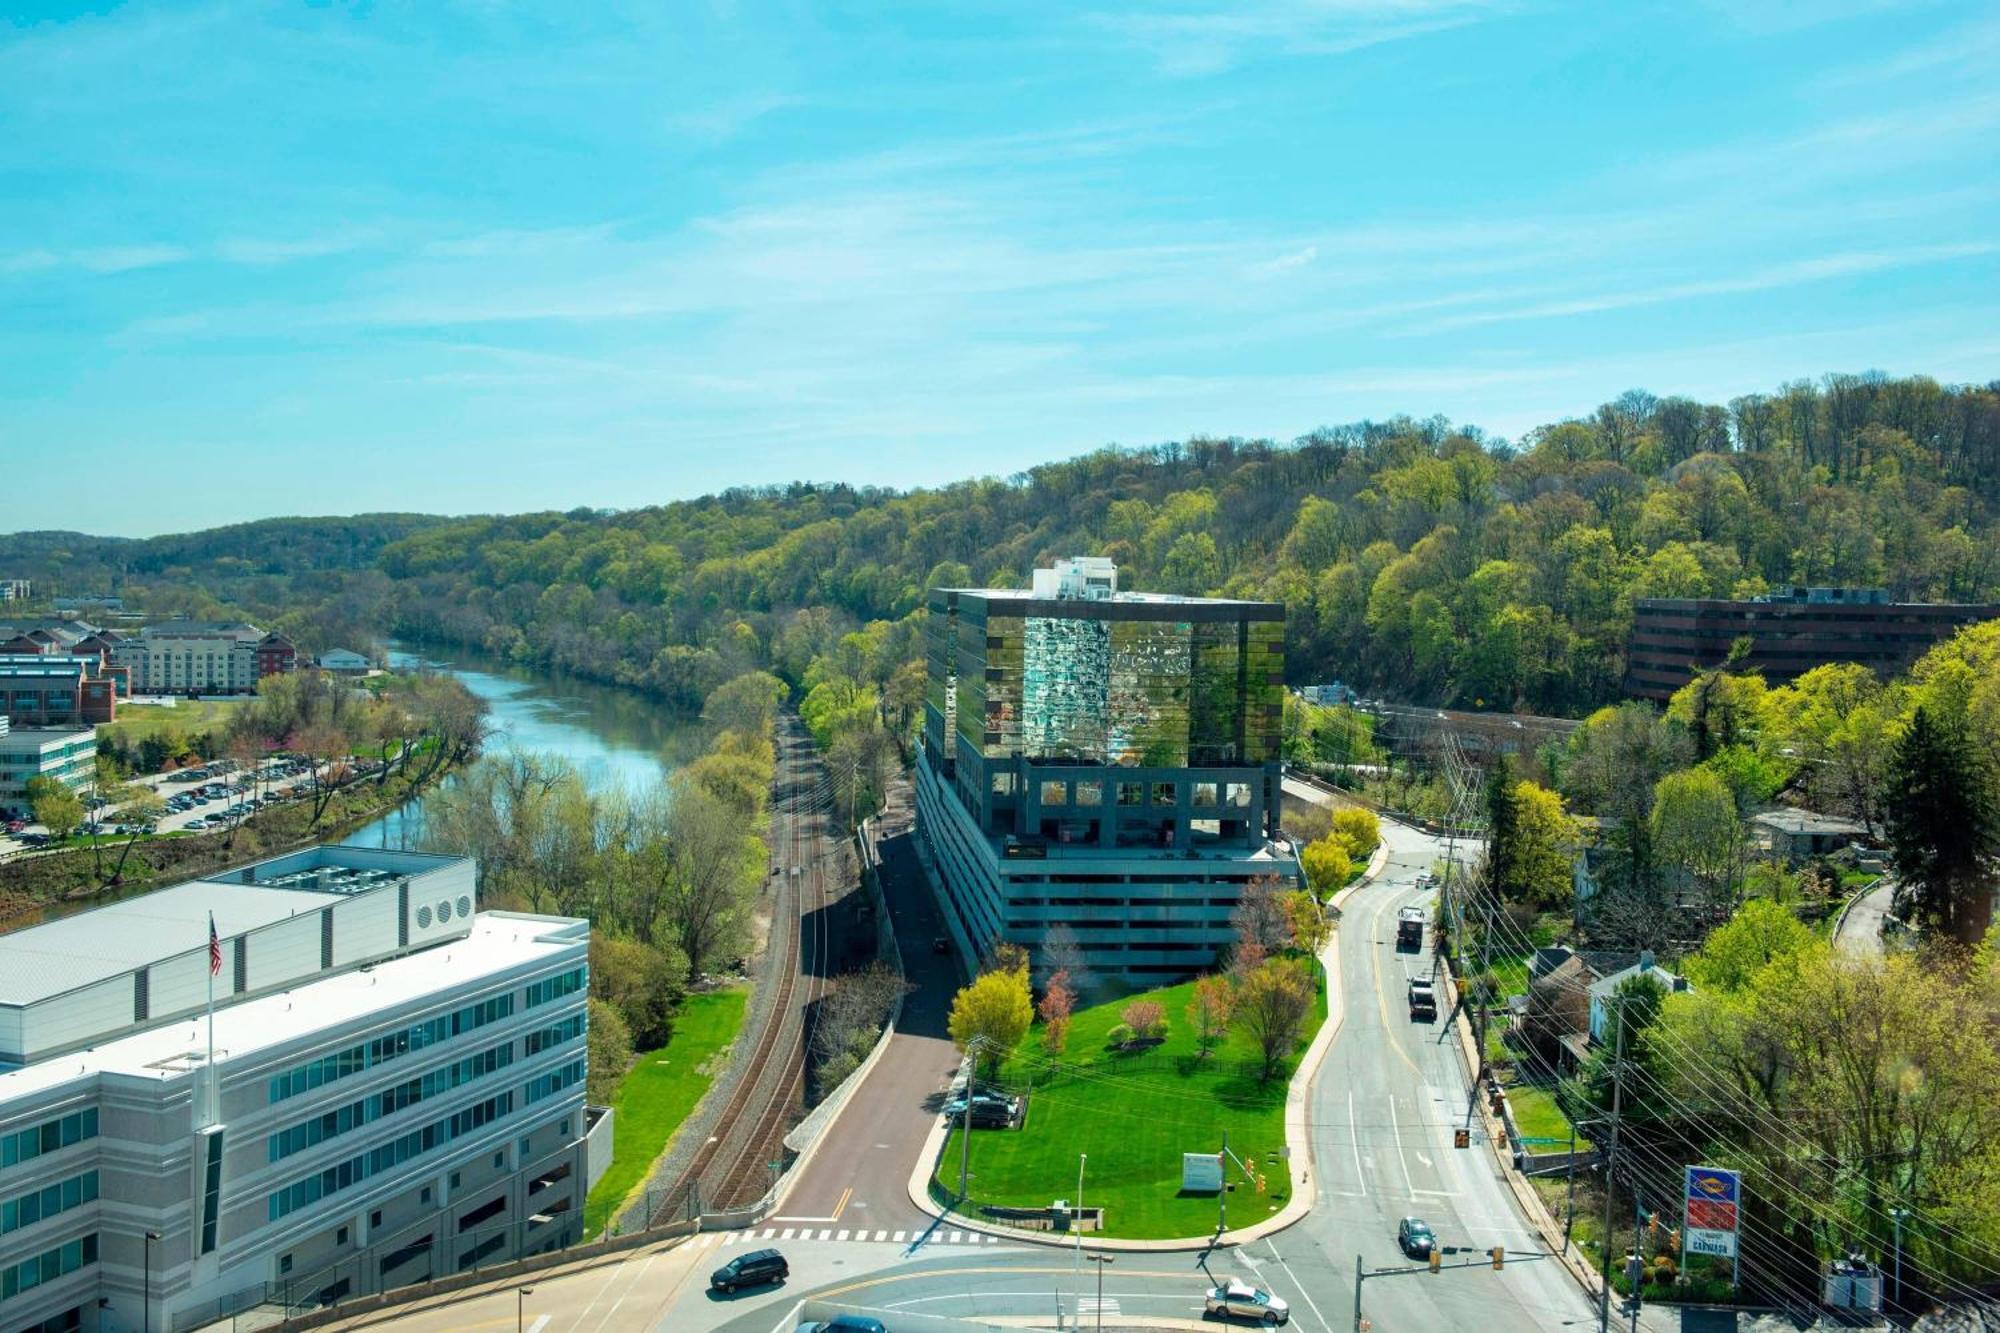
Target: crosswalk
722,1240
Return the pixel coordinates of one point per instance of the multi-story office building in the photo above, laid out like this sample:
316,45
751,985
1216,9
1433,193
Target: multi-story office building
56,690
1103,760
1790,633
391,1087
66,754
195,657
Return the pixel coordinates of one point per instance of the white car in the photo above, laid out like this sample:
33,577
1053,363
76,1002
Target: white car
1239,1300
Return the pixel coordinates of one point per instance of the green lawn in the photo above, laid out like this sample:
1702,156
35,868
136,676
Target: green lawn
1134,1114
1537,1117
660,1092
187,717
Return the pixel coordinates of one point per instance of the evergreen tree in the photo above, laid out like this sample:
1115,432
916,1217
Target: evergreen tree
1944,828
1503,826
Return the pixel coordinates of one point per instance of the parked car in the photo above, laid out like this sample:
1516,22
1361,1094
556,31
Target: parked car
847,1323
1236,1299
1416,1237
750,1270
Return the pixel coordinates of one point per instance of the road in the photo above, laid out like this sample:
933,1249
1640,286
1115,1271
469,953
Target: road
1384,1105
1860,930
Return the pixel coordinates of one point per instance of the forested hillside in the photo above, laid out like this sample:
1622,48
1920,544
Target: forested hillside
1418,560
274,568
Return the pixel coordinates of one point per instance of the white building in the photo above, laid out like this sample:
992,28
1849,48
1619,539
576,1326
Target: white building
343,662
393,1090
201,657
67,754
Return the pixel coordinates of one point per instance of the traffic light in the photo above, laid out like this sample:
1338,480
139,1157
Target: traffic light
1437,1259
1673,1240
1653,1228
1499,1253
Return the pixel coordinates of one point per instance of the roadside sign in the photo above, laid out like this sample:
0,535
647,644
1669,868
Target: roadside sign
1711,1211
1201,1173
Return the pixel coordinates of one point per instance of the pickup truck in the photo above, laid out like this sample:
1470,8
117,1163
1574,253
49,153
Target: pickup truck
1410,928
1423,1000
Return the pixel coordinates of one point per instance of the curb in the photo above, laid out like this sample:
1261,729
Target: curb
1298,1134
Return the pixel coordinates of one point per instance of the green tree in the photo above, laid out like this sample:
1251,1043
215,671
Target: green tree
1208,1013
1326,864
1695,829
54,806
1270,1005
991,1015
609,1054
1944,829
1361,828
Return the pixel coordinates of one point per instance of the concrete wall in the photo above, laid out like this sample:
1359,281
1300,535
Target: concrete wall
597,1149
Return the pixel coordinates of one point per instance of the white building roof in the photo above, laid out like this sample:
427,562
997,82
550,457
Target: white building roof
48,960
498,942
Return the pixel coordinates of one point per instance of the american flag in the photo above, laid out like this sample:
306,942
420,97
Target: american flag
214,948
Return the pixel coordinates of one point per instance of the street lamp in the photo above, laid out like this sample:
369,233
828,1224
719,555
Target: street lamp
521,1295
1897,1215
1101,1260
151,1236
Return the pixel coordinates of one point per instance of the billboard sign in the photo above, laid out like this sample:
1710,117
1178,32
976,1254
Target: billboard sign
1201,1173
1712,1203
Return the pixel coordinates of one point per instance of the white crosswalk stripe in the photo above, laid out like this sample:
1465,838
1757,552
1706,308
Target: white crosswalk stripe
789,1233
900,1237
843,1235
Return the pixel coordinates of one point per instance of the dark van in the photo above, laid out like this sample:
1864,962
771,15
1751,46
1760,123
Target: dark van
750,1270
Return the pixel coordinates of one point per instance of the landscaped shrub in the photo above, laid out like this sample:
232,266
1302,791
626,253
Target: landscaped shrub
1147,1020
1120,1035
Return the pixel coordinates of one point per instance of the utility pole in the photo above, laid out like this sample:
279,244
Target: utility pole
1638,1252
1357,1294
1610,1163
965,1128
1569,1201
1222,1195
1897,1215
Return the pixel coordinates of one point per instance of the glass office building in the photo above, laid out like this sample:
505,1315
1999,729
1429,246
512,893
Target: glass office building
1104,760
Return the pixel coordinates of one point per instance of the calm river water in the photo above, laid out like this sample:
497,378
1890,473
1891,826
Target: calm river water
614,737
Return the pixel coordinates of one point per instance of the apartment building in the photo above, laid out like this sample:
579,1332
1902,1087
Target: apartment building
16,590
1103,760
199,657
390,1088
1790,632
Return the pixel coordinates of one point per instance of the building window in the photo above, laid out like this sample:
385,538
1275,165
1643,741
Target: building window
454,1180
284,1264
375,1219
1238,795
340,1236
1131,793
499,1161
1090,793
1055,793
1204,793
1163,793
1003,784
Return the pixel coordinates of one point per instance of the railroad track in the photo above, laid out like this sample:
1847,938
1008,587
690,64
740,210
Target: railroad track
731,1169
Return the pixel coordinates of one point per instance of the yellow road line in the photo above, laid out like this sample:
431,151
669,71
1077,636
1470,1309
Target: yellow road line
1381,1000
841,1207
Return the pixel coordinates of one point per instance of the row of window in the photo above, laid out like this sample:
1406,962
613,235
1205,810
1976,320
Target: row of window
24,1145
553,1082
47,1266
356,1059
1090,792
354,1170
555,987
306,1134
568,1030
27,1209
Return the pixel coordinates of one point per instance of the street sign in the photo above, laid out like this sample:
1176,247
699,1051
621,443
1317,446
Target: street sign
1201,1173
1711,1211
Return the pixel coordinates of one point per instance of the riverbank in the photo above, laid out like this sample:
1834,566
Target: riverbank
46,885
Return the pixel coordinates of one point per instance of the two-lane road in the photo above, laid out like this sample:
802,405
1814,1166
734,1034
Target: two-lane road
1385,1105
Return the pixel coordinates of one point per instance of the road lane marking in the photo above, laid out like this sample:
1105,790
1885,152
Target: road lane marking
541,1322
900,1237
1299,1286
789,1233
1354,1142
1396,1128
843,1235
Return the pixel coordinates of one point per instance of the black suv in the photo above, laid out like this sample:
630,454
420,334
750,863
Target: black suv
750,1270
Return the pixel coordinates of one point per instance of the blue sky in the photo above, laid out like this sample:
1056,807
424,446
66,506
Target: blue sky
270,259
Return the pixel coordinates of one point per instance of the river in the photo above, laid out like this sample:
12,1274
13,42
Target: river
613,737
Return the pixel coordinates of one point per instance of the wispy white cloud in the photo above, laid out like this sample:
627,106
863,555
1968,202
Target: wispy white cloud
29,261
1795,273
1211,40
724,120
123,258
258,250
